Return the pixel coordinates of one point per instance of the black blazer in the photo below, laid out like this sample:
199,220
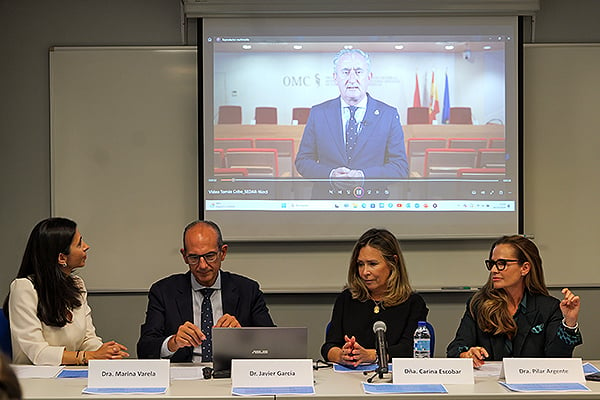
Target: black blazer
540,333
170,305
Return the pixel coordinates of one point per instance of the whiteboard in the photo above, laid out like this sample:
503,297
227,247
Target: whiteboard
125,166
562,159
124,157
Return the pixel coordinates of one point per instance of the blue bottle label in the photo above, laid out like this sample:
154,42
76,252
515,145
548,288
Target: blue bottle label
422,344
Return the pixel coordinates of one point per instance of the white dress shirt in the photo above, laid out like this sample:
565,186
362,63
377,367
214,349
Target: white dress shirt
216,302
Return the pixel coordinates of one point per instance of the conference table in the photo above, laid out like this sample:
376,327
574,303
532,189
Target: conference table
329,385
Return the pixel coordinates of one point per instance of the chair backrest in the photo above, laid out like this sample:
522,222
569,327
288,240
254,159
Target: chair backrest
445,163
416,152
481,173
417,146
258,162
461,115
218,158
496,143
417,115
230,115
467,143
5,343
231,172
491,158
230,143
265,115
285,152
300,114
285,146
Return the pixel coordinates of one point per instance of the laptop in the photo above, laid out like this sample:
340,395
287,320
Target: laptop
257,342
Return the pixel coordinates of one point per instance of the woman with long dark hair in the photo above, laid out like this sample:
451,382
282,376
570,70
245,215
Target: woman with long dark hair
513,315
50,320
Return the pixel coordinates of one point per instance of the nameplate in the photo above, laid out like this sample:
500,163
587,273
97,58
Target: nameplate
128,373
542,370
271,373
432,370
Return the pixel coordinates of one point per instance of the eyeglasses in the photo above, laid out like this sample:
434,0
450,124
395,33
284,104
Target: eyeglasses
209,257
499,263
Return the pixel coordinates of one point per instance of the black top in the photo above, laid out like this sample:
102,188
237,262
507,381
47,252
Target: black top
540,333
356,318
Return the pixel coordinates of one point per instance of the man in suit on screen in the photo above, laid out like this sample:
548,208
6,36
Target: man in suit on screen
183,308
354,136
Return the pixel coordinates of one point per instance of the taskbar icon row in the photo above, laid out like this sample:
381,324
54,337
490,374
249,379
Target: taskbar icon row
375,205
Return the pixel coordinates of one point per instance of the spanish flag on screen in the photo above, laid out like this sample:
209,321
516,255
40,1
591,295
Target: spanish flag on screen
434,103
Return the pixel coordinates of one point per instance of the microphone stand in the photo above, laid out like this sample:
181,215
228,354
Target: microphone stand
378,372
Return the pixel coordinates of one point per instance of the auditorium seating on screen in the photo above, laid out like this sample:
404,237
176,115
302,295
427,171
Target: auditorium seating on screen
496,143
491,158
445,163
461,115
485,156
300,114
417,115
258,162
416,152
219,158
467,143
265,115
228,143
285,150
230,115
481,173
231,172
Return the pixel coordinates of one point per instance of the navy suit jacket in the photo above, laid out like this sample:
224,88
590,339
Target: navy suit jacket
539,334
379,152
170,305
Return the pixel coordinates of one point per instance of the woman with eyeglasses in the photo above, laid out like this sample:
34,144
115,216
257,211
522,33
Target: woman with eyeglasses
50,320
513,315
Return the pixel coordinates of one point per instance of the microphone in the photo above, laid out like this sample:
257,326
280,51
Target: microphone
379,328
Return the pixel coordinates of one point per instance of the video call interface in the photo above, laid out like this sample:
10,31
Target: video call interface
442,136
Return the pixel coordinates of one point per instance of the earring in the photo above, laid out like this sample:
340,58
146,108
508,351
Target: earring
63,265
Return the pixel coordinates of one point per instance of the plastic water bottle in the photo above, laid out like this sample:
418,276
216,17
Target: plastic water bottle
422,341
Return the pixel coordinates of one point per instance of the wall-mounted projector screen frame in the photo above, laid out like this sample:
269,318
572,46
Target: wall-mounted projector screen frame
286,63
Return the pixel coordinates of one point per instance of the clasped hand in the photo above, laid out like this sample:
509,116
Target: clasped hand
189,334
346,173
109,351
354,354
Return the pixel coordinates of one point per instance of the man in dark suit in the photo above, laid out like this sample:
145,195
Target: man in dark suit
354,136
183,307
